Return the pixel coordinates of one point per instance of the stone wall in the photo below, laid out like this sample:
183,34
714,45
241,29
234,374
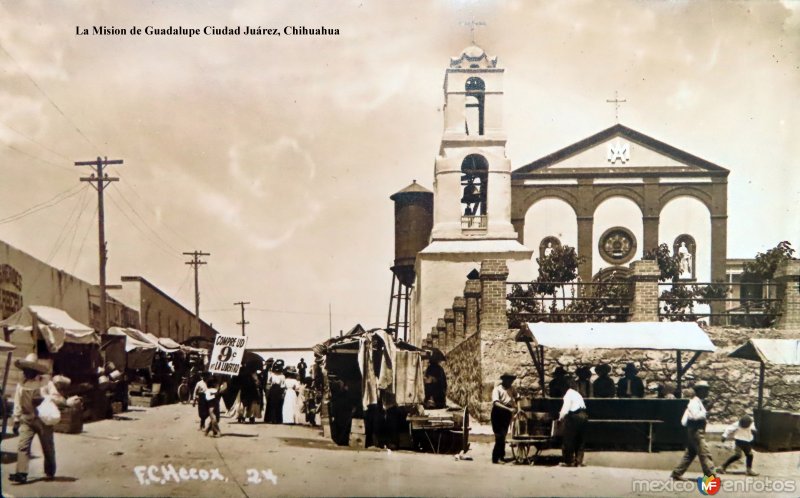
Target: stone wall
734,382
463,369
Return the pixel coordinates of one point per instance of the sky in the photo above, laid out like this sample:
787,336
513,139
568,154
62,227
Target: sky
277,155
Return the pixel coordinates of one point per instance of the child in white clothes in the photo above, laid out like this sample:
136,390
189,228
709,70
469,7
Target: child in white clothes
742,433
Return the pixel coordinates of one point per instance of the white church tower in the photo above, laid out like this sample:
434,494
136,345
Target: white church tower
472,191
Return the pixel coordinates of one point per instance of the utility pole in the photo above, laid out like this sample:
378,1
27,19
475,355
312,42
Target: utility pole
195,262
243,322
100,180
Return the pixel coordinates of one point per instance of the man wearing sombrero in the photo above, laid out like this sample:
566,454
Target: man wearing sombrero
31,392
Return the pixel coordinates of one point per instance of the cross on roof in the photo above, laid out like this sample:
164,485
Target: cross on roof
616,103
472,23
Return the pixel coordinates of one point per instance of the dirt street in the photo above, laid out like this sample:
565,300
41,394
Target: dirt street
160,452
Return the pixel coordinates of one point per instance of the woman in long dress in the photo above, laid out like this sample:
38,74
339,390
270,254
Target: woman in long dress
277,384
300,405
290,399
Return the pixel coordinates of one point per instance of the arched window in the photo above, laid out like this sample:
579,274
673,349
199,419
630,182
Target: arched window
473,107
474,178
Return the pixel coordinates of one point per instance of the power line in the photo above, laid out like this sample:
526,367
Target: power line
57,199
132,186
48,98
146,224
32,140
33,156
83,202
83,241
145,235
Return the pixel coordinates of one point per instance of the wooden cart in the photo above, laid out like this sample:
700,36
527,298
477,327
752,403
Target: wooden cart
531,432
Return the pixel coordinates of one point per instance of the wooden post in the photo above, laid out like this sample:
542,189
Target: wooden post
679,393
3,400
761,386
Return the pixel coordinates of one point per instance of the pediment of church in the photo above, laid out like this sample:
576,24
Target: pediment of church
620,149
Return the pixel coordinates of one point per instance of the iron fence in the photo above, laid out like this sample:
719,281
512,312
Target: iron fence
731,303
568,302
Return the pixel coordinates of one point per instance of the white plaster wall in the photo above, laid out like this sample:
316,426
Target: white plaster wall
442,277
549,217
616,211
688,215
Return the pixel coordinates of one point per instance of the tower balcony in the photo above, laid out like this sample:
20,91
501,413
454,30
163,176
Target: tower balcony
474,223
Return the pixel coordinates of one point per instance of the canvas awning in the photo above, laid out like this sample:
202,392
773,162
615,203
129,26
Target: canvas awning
133,338
6,346
774,351
54,325
684,336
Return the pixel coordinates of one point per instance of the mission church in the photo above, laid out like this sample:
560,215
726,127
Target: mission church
612,196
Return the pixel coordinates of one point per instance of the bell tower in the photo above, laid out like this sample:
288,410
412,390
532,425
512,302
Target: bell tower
472,175
472,191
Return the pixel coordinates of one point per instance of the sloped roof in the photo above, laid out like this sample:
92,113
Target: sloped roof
622,131
414,188
686,336
774,351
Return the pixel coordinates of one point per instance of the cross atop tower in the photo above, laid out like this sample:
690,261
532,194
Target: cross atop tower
616,103
472,23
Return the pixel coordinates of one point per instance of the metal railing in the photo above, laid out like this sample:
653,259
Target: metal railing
690,301
568,301
474,222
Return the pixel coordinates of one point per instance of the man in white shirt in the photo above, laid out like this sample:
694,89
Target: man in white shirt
694,419
504,406
573,413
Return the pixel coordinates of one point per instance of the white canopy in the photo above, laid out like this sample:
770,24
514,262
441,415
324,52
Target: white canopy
775,351
6,346
685,336
54,325
133,338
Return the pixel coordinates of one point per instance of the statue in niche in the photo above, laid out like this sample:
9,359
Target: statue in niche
547,245
686,259
684,248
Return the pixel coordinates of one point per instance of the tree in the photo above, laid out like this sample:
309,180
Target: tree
669,264
765,264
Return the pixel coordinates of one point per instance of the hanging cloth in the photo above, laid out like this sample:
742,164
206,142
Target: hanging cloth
386,378
369,383
410,389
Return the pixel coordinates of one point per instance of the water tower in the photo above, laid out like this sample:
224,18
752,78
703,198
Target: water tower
413,220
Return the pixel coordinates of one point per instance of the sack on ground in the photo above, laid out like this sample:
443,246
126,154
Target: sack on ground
48,412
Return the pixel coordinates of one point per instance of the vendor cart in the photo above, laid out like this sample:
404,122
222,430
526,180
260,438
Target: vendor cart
643,424
778,430
531,433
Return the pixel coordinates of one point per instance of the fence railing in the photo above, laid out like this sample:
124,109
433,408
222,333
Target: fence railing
568,302
476,222
744,303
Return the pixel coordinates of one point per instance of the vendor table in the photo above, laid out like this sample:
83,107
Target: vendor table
633,424
425,425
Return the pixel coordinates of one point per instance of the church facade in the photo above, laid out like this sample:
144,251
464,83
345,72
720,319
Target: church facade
612,196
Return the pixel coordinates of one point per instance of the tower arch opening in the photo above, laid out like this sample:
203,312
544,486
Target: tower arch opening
474,180
474,101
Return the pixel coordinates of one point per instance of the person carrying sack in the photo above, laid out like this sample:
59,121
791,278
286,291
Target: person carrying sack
36,411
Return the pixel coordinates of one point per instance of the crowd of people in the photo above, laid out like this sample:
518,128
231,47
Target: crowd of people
630,385
272,392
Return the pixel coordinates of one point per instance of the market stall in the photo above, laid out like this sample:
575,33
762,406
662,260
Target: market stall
374,395
778,430
621,423
70,347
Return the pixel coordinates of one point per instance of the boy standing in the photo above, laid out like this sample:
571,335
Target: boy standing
742,433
